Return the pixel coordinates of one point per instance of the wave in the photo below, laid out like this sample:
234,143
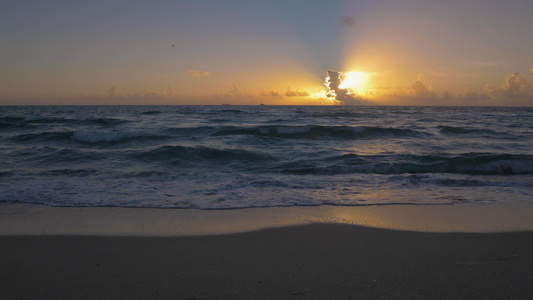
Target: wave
237,111
461,130
319,131
95,136
101,121
200,131
51,120
219,111
476,164
7,173
338,115
87,136
18,121
151,112
69,172
11,119
7,125
43,137
53,157
10,122
177,155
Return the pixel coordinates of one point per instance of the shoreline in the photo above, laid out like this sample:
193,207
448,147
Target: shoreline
32,219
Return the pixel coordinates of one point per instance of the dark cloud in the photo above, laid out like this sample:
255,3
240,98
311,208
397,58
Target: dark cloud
333,83
348,21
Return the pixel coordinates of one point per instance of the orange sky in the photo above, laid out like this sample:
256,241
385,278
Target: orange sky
272,52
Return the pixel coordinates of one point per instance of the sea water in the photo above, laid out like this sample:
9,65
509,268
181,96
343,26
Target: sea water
223,157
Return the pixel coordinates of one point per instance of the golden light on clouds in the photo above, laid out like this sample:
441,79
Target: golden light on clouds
340,87
355,81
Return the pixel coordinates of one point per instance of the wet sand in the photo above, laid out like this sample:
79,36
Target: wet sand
317,261
327,252
28,219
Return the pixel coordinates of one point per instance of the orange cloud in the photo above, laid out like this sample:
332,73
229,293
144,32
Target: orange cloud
198,73
420,90
291,93
270,93
514,87
421,94
417,90
337,92
233,95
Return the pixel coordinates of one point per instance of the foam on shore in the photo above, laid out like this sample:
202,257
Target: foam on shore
27,219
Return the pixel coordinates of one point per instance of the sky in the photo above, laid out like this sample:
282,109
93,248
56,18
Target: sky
276,52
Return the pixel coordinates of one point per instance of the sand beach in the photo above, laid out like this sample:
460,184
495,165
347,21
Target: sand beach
303,260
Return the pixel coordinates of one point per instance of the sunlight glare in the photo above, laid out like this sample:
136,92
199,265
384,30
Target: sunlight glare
355,81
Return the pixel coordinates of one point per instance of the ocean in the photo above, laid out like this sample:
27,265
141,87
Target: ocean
227,157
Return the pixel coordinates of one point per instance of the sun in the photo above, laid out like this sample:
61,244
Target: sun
347,86
355,81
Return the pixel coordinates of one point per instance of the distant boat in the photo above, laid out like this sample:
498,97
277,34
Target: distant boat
261,104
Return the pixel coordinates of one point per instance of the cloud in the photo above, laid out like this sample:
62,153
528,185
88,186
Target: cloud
464,97
234,91
149,94
419,89
291,93
112,91
343,95
333,83
232,94
348,21
270,93
513,88
420,94
198,73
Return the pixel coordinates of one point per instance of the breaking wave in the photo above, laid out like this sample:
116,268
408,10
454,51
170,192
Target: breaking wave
218,157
